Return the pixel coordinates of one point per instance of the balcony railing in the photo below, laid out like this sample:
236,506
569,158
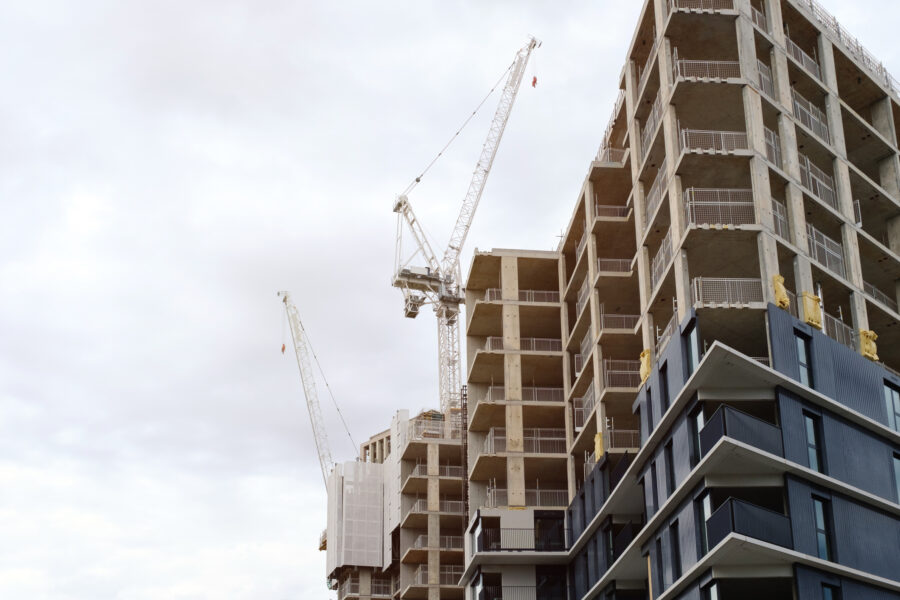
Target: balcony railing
581,243
607,134
736,424
449,575
650,124
607,210
809,63
433,429
382,588
759,18
773,148
663,336
612,155
621,439
780,220
614,265
766,82
522,539
496,295
421,470
751,520
349,587
701,5
516,592
661,260
656,194
444,506
700,140
811,116
818,182
825,251
613,321
445,542
706,69
645,70
722,291
494,342
543,394
704,206
621,373
583,407
584,294
535,440
838,331
498,497
880,296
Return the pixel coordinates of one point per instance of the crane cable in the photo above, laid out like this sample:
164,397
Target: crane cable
416,181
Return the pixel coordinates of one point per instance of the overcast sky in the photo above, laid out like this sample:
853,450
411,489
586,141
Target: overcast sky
165,168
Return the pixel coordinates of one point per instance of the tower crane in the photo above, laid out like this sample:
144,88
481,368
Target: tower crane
303,352
438,282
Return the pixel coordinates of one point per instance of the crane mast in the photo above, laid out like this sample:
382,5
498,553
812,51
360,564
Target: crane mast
302,350
438,283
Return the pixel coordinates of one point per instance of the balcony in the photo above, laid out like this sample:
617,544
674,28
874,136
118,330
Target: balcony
644,71
612,155
543,296
497,393
780,220
349,587
825,251
661,261
809,63
609,211
421,470
722,142
759,19
421,429
535,440
650,124
382,588
880,296
448,575
773,148
550,539
420,506
621,439
499,497
520,592
766,82
614,265
839,331
705,69
584,294
445,542
811,116
724,292
710,5
495,343
818,182
656,194
662,337
618,322
621,374
714,206
736,424
583,407
751,520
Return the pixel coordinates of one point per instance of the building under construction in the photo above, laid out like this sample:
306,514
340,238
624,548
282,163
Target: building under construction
697,395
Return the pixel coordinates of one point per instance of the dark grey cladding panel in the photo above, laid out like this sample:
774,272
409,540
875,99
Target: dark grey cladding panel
810,582
691,593
838,371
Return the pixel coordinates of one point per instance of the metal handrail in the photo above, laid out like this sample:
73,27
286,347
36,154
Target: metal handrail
809,63
701,5
612,155
621,373
543,394
661,260
726,290
759,18
663,338
713,141
616,321
614,265
780,220
621,439
583,407
838,330
706,69
825,251
718,206
811,116
498,497
817,181
607,210
584,294
581,244
650,124
495,342
496,295
656,194
766,81
880,296
773,147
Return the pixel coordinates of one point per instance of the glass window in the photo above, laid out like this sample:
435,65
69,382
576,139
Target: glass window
892,400
829,592
649,412
670,468
660,576
704,512
664,387
654,488
696,422
711,592
813,442
692,349
897,475
675,549
823,534
803,358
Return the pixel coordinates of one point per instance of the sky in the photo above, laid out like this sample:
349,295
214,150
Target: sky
165,168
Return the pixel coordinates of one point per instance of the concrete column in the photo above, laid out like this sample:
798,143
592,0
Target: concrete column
858,315
671,136
883,119
643,265
893,234
836,124
510,317
889,175
365,583
843,189
659,14
434,570
776,24
826,63
781,76
789,153
746,40
515,465
797,217
509,278
634,133
768,263
512,376
852,266
803,276
433,460
753,118
682,284
762,192
637,197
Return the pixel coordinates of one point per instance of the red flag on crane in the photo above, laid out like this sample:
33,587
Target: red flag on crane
282,348
534,81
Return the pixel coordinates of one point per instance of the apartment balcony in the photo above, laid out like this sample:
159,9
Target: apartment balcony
495,344
614,156
656,194
759,19
765,79
748,519
780,220
643,72
705,69
773,147
817,181
648,130
809,63
811,116
615,323
535,440
449,512
736,424
708,5
583,407
543,498
621,375
430,429
661,261
536,296
880,296
713,142
417,553
713,206
663,336
727,292
348,588
449,476
826,251
839,331
519,540
382,588
609,266
448,575
609,211
621,439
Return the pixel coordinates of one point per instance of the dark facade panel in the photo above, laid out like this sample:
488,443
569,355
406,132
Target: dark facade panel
810,582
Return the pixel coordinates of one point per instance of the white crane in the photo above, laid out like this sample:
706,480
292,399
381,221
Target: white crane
303,352
438,282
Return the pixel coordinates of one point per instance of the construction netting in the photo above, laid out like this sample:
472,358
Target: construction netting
355,509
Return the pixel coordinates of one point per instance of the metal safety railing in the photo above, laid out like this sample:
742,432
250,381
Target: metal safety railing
525,344
838,330
583,407
612,155
759,18
348,587
421,470
584,294
581,244
607,133
780,220
662,337
615,321
650,124
817,181
661,260
766,81
809,63
880,296
621,373
621,439
647,68
700,140
607,210
825,251
704,206
381,588
837,32
656,194
773,147
701,5
496,295
434,429
543,394
445,542
705,69
448,575
614,265
811,116
726,290
499,497
535,440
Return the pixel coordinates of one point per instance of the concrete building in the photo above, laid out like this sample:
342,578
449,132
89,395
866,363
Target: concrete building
687,400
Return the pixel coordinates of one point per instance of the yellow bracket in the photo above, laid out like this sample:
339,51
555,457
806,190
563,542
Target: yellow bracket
645,365
782,300
867,345
812,312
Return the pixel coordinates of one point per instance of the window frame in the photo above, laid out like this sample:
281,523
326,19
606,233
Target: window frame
675,550
691,340
669,459
804,364
892,404
815,447
824,529
695,418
